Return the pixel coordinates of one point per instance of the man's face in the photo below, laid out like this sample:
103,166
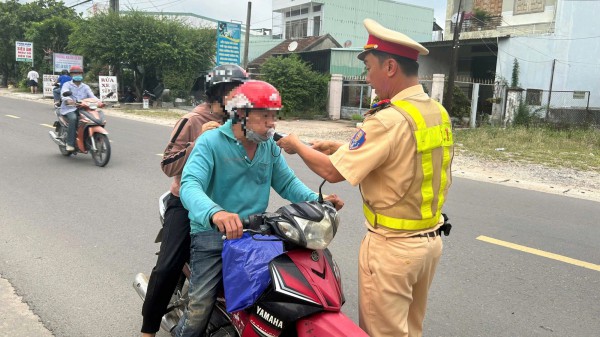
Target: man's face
76,74
260,120
376,75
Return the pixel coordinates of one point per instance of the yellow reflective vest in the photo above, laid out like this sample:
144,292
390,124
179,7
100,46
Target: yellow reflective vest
433,156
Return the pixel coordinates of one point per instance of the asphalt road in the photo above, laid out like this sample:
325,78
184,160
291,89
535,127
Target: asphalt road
73,235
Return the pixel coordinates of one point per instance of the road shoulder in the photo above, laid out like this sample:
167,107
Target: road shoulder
16,319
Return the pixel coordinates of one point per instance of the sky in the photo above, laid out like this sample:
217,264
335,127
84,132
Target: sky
226,10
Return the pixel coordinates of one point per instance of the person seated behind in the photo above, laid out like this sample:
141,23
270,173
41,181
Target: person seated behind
79,91
129,96
228,177
175,246
62,79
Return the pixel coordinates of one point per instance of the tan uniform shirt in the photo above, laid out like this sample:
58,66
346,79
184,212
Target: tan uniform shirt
182,141
382,158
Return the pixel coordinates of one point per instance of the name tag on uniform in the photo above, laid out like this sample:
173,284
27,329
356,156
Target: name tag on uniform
358,139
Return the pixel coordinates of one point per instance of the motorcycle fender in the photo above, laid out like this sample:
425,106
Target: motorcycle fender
328,324
97,129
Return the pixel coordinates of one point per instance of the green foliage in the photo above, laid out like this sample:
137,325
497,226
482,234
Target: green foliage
30,22
514,83
303,91
482,16
543,144
357,117
48,36
154,49
523,116
461,105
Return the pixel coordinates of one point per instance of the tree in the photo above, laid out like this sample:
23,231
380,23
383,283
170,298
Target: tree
50,36
302,89
514,83
154,49
15,18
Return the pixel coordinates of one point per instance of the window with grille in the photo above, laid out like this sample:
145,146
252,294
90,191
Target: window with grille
533,97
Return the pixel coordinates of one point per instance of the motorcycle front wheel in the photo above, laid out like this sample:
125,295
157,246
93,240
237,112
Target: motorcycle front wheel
102,154
62,134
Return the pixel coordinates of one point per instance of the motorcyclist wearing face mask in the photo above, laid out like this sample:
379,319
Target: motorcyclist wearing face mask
79,91
228,176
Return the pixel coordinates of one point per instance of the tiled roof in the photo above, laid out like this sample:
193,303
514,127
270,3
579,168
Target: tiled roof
304,44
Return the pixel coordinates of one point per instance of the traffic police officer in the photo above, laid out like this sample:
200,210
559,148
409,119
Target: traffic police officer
401,159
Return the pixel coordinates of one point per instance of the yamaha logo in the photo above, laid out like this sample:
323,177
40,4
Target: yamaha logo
314,256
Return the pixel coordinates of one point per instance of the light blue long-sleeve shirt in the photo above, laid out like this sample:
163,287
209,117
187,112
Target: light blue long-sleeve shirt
79,92
218,176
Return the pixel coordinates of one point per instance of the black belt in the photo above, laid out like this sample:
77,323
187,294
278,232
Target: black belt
428,234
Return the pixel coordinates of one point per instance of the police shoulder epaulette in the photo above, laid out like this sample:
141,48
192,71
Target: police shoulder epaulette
377,106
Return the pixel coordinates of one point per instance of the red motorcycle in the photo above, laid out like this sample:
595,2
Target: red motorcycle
90,135
304,297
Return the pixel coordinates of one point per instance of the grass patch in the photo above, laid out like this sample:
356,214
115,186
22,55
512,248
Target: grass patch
574,148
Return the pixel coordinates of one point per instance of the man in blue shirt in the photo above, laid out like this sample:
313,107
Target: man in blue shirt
62,79
79,91
228,176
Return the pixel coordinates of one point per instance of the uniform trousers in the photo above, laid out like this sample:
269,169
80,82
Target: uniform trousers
174,253
394,278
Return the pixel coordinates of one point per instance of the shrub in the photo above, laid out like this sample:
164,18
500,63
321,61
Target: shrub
303,91
461,105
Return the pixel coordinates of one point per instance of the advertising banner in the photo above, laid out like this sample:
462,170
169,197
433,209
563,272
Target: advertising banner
48,80
228,43
24,51
65,61
108,84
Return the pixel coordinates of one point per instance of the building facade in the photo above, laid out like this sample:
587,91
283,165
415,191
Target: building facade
342,19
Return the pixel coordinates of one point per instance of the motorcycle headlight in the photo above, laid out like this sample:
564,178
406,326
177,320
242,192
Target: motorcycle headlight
318,235
93,106
291,232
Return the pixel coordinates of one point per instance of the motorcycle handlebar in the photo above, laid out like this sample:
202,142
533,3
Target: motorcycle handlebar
253,224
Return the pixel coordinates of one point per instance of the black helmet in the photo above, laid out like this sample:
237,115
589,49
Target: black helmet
64,72
224,74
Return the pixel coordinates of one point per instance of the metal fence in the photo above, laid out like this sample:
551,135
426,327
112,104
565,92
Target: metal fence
562,107
356,96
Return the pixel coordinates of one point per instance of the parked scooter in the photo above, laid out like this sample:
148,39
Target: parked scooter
90,135
305,294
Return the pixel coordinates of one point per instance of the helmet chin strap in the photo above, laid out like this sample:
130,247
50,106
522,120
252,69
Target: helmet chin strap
253,136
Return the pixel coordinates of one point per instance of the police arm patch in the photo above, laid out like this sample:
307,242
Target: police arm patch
358,139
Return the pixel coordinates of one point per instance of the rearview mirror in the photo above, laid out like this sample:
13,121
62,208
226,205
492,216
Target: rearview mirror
67,93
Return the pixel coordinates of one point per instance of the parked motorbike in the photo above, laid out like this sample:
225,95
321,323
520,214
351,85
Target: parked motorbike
90,135
305,294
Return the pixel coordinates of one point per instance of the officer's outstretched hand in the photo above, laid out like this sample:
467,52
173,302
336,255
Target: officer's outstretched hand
228,223
335,200
290,143
327,147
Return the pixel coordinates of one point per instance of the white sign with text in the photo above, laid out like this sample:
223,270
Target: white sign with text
49,80
108,85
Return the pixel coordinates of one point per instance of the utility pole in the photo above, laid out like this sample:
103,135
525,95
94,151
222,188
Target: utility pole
247,37
550,89
453,59
114,6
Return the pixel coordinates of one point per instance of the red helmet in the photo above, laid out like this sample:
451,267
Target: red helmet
254,95
76,69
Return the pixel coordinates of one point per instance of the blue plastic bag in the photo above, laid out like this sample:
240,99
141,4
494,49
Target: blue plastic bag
246,269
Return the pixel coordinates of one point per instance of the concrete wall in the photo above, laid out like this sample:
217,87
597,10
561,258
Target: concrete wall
343,19
577,67
512,24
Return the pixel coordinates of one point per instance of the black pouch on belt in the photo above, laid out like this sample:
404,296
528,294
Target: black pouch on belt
446,227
